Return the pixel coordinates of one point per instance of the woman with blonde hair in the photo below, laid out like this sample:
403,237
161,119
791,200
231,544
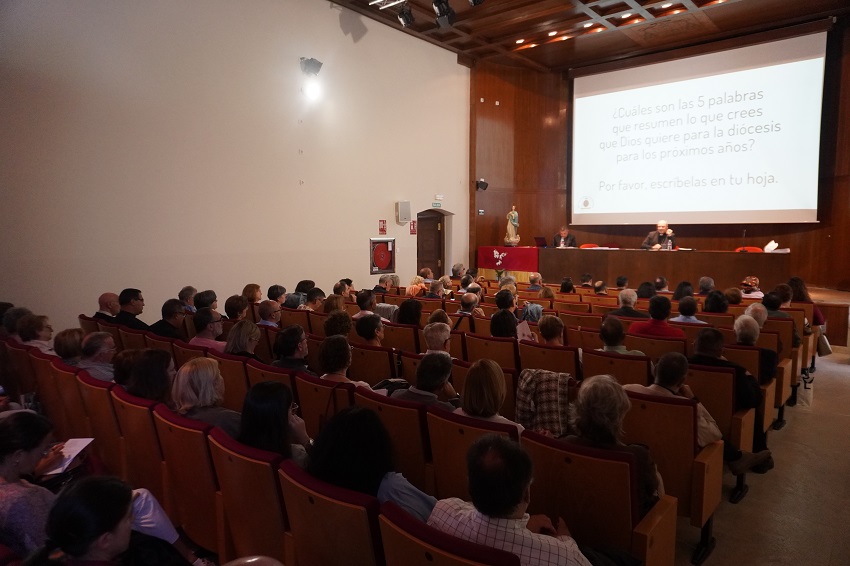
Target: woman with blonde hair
484,393
242,339
546,293
197,394
252,293
417,287
332,303
68,345
596,418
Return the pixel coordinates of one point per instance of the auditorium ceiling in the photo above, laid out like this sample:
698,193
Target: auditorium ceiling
563,34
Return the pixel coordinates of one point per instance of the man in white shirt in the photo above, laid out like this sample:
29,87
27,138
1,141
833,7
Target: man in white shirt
366,301
500,475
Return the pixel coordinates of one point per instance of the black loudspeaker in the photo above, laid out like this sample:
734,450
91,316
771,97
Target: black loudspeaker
481,185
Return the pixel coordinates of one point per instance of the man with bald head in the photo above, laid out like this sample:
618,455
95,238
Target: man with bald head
658,239
469,305
108,307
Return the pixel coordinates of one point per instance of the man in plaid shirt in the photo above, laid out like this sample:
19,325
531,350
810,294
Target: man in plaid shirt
500,485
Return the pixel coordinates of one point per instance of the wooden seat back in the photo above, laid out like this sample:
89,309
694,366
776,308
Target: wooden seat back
716,318
316,322
108,439
320,400
265,347
235,378
65,379
589,321
504,351
553,358
331,525
259,372
300,317
409,363
160,343
715,388
48,393
88,324
372,363
132,339
655,347
185,352
404,337
624,367
114,331
24,380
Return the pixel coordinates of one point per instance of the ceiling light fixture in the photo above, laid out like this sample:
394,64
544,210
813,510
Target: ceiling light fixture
474,3
626,16
445,13
405,16
520,41
667,5
588,24
553,33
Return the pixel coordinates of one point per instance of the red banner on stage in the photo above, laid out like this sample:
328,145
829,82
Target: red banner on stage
508,258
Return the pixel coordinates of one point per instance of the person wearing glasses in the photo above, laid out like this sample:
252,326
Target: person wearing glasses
97,354
35,330
171,324
208,327
269,312
313,302
290,347
132,304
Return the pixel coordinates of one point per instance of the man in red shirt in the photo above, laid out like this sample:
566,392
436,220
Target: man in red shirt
656,326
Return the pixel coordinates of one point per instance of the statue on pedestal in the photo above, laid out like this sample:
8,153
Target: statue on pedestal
512,237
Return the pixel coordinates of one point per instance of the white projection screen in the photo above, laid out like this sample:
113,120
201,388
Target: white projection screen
727,137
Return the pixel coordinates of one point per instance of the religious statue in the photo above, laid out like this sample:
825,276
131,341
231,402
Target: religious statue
512,237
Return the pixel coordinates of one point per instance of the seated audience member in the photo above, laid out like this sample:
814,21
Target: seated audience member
546,293
354,451
535,282
542,401
509,287
435,290
409,312
622,282
186,296
10,321
277,293
252,293
313,300
370,329
206,299
758,312
35,331
551,330
290,349
750,287
97,353
646,290
506,300
597,419
500,475
469,305
68,345
800,294
586,280
385,284
687,311
613,334
747,334
269,422
438,338
207,329
335,359
438,315
269,312
242,340
670,373
108,307
773,303
465,282
448,286
366,302
341,288
683,289
715,302
417,287
531,312
152,375
299,296
484,393
600,288
122,365
661,284
4,306
458,271
197,393
627,299
708,351
236,307
656,326
171,323
706,285
426,274
476,290
567,285
733,296
332,303
338,323
432,383
503,324
84,511
132,304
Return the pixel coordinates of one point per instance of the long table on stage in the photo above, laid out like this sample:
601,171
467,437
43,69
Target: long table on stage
727,268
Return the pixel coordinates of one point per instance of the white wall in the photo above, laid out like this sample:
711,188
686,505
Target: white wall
163,143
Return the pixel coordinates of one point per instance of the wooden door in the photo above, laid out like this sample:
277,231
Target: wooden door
430,247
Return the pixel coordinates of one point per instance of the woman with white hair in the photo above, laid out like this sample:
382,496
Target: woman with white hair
747,334
596,418
197,394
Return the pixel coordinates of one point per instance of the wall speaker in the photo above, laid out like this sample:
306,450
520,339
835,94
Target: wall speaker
402,211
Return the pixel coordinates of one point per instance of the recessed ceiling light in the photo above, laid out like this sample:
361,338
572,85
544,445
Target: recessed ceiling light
667,5
564,37
588,24
520,41
626,16
553,33
533,45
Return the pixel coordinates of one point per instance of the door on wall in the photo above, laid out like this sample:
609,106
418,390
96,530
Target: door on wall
430,241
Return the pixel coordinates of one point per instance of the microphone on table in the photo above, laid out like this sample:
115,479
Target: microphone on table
744,237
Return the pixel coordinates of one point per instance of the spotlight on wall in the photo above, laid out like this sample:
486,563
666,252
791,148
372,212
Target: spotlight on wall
445,13
481,185
310,66
405,16
476,2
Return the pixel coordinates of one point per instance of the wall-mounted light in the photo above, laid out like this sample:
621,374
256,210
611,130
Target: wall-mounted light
310,66
405,16
481,185
445,13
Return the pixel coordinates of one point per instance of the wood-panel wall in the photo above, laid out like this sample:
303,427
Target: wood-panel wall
520,147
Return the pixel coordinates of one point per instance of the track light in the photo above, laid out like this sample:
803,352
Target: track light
481,185
310,66
405,16
474,3
445,13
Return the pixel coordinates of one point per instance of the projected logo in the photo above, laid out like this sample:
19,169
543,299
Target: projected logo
586,203
499,257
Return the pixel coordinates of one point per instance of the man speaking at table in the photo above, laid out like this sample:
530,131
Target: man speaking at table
563,239
658,240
